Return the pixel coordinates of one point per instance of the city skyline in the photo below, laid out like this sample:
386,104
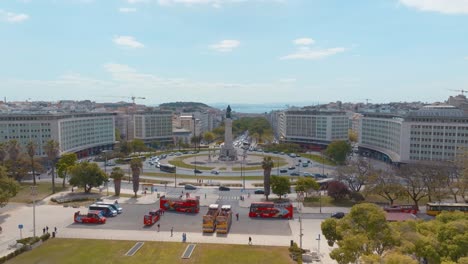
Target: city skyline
238,51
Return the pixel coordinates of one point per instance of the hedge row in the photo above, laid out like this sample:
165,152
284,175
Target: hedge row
27,242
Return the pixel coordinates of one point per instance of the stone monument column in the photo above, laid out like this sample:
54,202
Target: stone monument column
228,152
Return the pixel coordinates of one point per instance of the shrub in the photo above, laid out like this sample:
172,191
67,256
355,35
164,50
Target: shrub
296,253
45,237
337,190
356,196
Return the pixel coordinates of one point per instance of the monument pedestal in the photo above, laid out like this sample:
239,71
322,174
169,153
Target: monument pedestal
228,152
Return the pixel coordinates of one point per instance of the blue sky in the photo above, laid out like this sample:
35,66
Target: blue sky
234,51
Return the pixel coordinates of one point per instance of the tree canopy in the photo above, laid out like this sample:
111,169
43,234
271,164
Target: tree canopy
364,235
65,162
87,175
338,151
306,184
280,185
8,187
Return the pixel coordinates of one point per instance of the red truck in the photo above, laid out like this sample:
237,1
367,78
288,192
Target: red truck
189,205
152,217
93,217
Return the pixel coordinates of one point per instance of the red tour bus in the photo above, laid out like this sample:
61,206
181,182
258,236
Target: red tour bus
404,208
271,210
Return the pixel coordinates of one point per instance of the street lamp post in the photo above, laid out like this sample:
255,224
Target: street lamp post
195,144
33,194
175,178
105,170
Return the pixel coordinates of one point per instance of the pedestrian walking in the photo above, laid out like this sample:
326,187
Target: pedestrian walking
47,229
172,231
250,240
158,227
237,216
184,237
55,230
43,230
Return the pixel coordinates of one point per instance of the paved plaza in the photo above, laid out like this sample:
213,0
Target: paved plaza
129,225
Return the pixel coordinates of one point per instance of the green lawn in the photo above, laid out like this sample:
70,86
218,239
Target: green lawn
319,159
199,176
44,189
179,162
81,251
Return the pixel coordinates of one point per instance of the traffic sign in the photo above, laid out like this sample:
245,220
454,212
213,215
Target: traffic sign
20,226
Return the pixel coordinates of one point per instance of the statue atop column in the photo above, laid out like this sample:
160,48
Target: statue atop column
228,152
228,112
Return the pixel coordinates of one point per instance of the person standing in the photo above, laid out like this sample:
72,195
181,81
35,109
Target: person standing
172,231
158,227
55,230
250,240
237,216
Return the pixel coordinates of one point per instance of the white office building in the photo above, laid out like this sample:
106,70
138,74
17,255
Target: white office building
436,133
312,127
153,126
81,133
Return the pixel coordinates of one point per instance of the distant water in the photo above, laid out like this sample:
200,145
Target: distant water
255,108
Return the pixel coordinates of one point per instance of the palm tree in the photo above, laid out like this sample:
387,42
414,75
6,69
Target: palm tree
3,153
31,150
52,151
267,164
117,174
136,166
14,150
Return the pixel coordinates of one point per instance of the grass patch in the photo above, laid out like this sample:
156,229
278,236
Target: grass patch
319,159
179,162
44,189
314,201
201,176
81,251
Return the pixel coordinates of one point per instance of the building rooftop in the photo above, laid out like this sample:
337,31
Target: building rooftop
438,111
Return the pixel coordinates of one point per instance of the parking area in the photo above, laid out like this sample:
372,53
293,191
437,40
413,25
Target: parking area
132,219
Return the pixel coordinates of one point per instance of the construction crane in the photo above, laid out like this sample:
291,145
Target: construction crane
461,91
131,97
367,100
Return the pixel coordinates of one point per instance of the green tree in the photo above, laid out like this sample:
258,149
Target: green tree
280,185
64,164
138,145
3,153
208,136
52,150
87,175
8,187
363,232
305,184
117,175
338,151
31,150
136,165
14,151
267,164
352,136
126,148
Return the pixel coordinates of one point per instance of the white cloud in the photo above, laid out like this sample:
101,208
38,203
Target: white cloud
304,41
305,53
127,9
226,45
441,6
12,17
128,41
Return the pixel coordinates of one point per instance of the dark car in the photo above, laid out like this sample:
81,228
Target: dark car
224,188
283,171
338,215
294,173
197,171
259,191
190,187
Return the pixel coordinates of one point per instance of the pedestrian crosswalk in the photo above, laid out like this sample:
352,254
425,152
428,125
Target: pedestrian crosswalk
228,197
